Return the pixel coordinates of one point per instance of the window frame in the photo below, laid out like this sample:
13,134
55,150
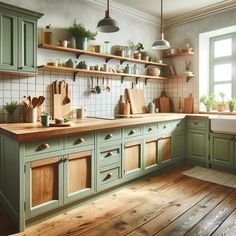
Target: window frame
223,60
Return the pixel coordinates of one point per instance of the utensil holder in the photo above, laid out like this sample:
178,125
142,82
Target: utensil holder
32,115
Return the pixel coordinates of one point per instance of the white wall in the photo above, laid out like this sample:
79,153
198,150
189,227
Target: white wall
61,14
189,32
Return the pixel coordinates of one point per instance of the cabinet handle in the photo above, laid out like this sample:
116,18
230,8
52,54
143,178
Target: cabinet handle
109,136
79,140
20,68
164,126
232,138
196,123
149,129
109,154
65,159
131,132
43,146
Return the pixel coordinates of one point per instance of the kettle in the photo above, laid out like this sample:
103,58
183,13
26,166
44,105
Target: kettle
82,65
70,63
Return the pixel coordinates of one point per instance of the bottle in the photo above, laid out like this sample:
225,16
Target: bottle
47,35
151,107
135,70
121,105
127,69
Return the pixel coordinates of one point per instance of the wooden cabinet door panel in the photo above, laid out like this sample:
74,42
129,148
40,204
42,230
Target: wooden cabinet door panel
132,158
43,185
178,146
78,175
165,149
151,153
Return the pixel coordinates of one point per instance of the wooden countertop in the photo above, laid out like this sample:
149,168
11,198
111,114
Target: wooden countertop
24,132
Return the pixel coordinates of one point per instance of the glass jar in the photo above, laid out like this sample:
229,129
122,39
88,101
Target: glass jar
107,47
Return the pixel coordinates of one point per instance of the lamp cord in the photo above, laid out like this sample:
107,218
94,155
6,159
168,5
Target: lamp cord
161,16
108,6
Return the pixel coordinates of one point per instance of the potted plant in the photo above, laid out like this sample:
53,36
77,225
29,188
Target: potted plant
138,48
221,106
232,103
82,35
10,108
145,56
208,101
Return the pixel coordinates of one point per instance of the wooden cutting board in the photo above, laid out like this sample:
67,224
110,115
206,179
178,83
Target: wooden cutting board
164,104
57,108
188,104
137,101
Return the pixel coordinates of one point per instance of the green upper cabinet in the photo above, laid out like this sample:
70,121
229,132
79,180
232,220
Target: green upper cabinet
18,39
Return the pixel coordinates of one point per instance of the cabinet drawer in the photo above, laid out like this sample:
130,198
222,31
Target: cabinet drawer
109,135
150,128
132,131
178,126
110,156
43,146
79,140
195,123
164,127
109,174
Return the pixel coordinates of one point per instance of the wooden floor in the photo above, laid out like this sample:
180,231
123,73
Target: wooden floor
169,204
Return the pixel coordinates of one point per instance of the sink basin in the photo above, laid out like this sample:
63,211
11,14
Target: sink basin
223,124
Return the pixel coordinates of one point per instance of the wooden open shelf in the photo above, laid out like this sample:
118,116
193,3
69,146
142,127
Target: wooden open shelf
107,57
188,77
179,54
76,71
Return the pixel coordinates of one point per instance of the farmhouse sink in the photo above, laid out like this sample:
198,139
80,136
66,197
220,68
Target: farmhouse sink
223,124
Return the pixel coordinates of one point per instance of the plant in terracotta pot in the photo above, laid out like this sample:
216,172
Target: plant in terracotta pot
145,56
138,49
208,101
231,104
82,35
221,106
10,108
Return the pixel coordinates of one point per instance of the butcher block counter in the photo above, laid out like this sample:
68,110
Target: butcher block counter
23,132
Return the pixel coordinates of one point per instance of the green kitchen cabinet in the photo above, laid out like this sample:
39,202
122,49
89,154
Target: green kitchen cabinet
178,147
18,39
222,150
197,149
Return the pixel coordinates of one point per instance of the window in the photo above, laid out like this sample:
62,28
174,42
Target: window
223,65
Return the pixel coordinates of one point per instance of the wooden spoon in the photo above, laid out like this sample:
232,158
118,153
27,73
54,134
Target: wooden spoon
35,102
26,101
66,99
41,99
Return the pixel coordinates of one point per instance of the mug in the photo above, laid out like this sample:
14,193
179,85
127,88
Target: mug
45,120
80,113
65,43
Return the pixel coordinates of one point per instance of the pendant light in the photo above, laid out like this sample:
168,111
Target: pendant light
161,44
107,24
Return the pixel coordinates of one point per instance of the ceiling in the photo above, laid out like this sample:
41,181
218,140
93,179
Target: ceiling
171,8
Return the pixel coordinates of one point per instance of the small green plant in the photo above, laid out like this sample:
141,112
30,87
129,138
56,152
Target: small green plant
231,104
10,107
139,47
208,101
222,95
78,29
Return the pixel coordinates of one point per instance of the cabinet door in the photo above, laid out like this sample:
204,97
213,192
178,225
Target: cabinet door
8,42
79,175
150,154
165,150
197,145
178,146
221,150
43,185
27,60
132,158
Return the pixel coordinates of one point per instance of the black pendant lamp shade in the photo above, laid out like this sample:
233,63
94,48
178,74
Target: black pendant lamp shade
107,24
161,44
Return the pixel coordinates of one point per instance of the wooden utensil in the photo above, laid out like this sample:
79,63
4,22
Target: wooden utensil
34,102
188,104
26,101
66,99
41,100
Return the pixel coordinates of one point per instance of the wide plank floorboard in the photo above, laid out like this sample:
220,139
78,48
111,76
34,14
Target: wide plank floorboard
168,204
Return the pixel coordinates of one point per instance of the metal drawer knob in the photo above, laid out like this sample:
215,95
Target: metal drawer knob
109,154
149,129
131,132
108,176
164,126
196,123
43,146
79,140
109,136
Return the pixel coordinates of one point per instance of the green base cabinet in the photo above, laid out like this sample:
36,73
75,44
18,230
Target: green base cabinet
178,147
197,142
18,39
222,150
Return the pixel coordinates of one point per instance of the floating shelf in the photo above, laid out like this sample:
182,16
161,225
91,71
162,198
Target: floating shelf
102,73
179,54
107,57
188,77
